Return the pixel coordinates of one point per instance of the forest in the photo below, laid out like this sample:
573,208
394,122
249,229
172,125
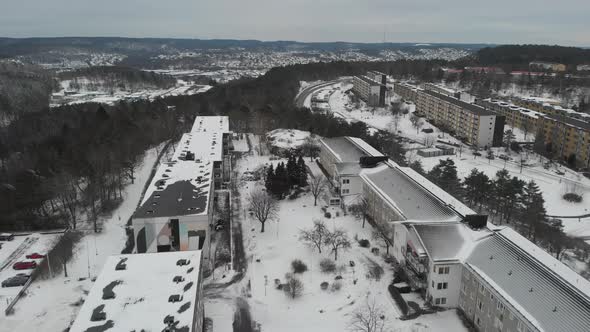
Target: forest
109,78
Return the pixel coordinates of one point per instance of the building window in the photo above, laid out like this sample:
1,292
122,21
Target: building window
442,285
443,300
480,305
482,289
345,181
519,326
345,191
433,284
443,270
477,321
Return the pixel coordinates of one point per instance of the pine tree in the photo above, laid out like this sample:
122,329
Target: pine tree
269,179
292,171
281,181
302,172
532,211
445,176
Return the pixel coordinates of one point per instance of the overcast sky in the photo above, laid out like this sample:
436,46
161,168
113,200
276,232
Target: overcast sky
565,22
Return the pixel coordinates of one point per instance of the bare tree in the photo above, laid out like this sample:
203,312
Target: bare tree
394,124
361,209
316,236
338,239
294,287
67,194
263,206
317,185
383,236
416,122
368,318
310,147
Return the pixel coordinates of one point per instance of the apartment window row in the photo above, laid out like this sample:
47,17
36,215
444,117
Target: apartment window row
345,181
440,300
442,270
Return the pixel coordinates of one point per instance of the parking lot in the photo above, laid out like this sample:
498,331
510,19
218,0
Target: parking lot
15,251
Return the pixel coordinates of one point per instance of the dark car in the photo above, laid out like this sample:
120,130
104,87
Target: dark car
35,256
18,280
504,157
6,237
24,265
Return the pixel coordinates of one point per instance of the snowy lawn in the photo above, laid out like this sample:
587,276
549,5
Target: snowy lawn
287,138
49,304
270,255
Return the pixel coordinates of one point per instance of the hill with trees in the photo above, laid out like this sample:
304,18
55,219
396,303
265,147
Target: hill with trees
109,78
519,56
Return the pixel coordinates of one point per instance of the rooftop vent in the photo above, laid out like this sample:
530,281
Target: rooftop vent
175,298
169,320
178,279
98,314
121,265
510,272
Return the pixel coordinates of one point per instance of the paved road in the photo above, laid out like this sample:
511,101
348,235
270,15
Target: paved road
300,98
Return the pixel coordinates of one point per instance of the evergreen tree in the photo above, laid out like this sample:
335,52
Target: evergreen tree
478,187
417,166
281,181
302,172
532,210
292,171
269,179
445,176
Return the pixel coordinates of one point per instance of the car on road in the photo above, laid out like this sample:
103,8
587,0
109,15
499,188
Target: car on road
17,280
504,157
6,237
35,256
24,265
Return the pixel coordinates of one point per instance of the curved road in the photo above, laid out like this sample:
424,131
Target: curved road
300,98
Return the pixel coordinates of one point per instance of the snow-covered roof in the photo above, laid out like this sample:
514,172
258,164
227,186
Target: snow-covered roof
140,293
349,149
407,196
448,241
348,168
178,188
204,145
472,108
544,290
211,123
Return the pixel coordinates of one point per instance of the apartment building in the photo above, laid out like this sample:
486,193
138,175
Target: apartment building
407,91
564,137
371,91
550,108
176,212
440,89
377,76
516,116
145,292
455,259
469,122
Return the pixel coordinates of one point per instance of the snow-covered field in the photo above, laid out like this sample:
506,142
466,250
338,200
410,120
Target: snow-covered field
287,138
270,255
49,304
84,95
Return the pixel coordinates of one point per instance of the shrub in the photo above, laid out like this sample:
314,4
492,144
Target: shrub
298,266
572,197
324,285
294,287
336,285
375,272
327,265
328,215
364,243
401,303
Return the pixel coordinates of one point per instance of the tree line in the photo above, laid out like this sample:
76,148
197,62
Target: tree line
508,200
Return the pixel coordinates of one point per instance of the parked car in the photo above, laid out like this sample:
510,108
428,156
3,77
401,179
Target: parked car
24,265
559,172
477,154
504,157
17,280
35,256
6,237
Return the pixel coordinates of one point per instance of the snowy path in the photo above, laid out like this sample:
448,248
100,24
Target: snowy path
49,304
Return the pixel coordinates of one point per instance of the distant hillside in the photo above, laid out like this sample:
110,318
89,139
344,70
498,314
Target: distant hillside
522,55
105,78
23,88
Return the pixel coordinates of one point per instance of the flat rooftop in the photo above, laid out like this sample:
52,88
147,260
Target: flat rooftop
179,188
368,80
211,123
349,149
408,196
204,145
475,109
141,292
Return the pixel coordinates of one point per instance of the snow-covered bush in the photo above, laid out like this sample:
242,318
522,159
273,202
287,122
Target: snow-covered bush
327,265
573,197
336,285
324,285
298,266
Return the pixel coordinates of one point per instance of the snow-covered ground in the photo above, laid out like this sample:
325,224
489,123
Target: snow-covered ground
84,95
287,138
270,255
49,304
